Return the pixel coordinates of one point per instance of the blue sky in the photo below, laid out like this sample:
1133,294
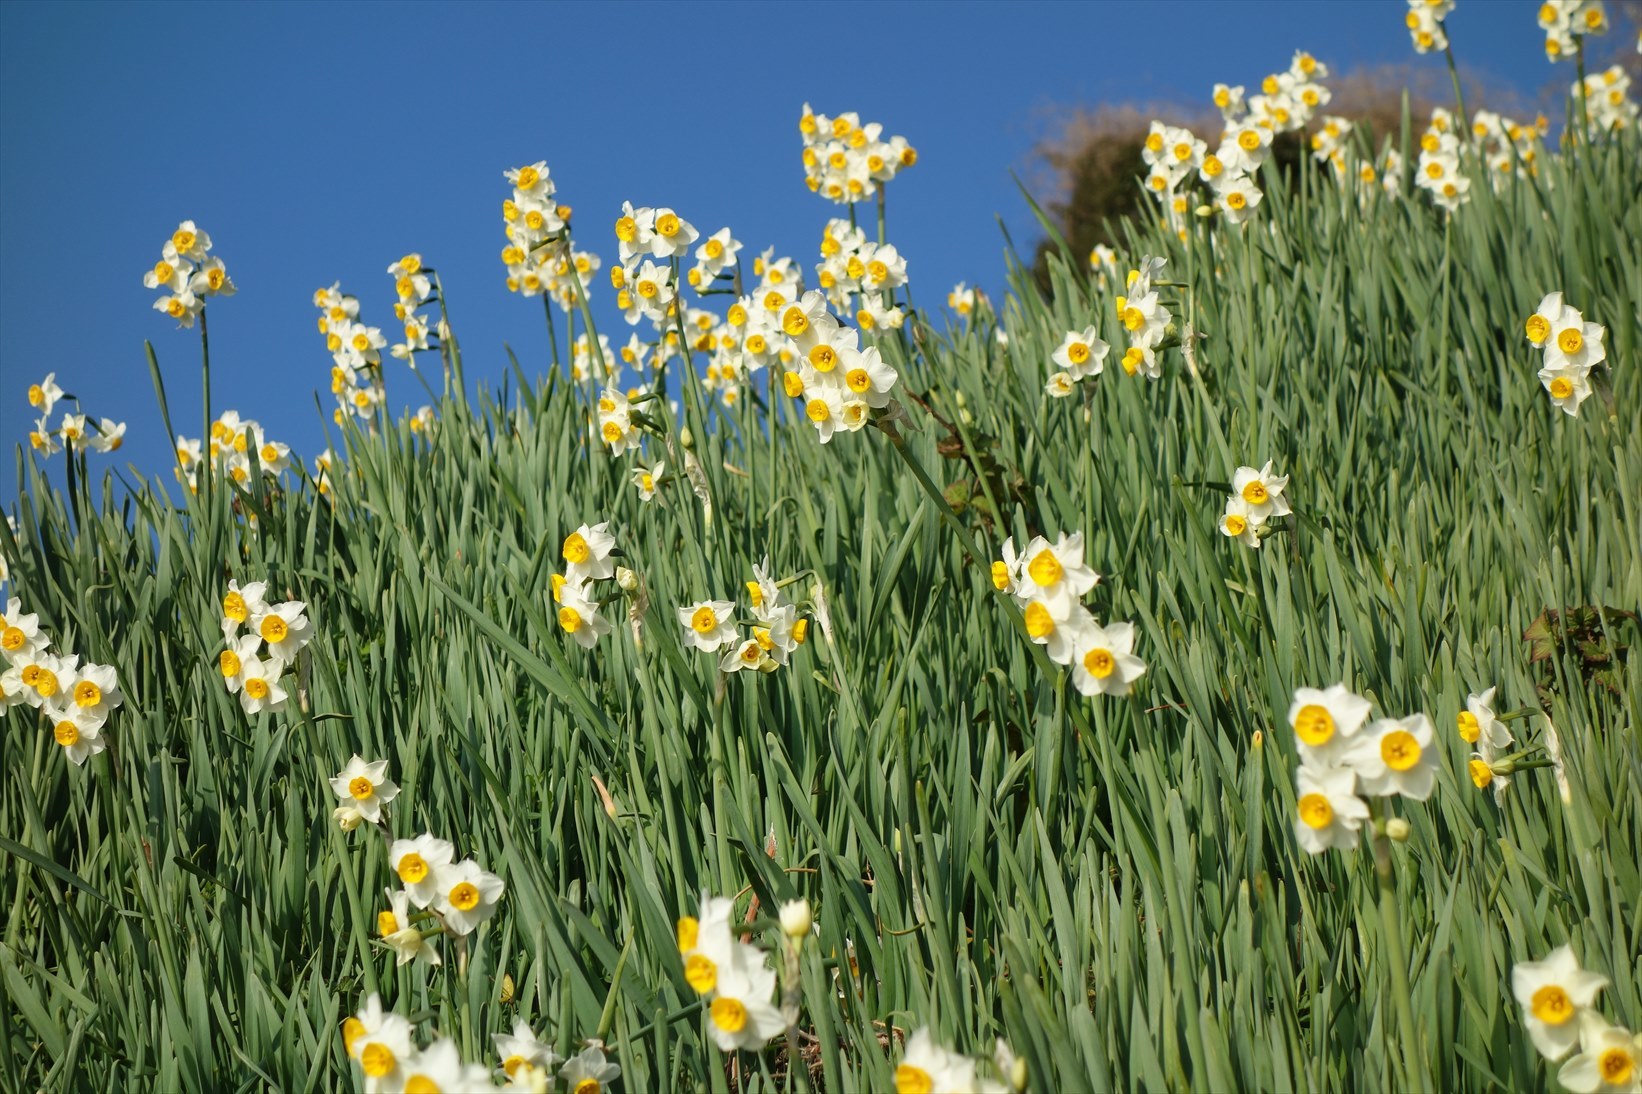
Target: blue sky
318,143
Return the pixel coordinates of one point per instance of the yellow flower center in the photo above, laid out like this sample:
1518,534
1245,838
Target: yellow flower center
1314,725
1248,140
1077,353
799,630
1133,318
587,1086
421,1084
773,300
913,1080
1235,525
1255,493
794,321
1399,750
1470,729
1551,1005
1046,569
1480,773
728,1015
386,923
45,681
1099,663
256,688
703,620
668,225
87,694
1133,358
1615,1064
464,897
689,929
13,639
647,482
1570,341
528,177
273,629
66,733
1561,387
228,662
792,384
570,619
858,380
756,343
611,432
1315,811
1154,142
1039,623
163,272
377,1060
1000,575
412,868
352,1030
361,787
1236,200
183,240
233,606
824,358
627,229
575,548
701,973
817,410
648,289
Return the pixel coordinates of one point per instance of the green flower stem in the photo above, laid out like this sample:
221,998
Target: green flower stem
552,335
1396,955
1459,97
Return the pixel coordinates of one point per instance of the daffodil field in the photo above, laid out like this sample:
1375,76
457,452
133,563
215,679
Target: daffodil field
1217,672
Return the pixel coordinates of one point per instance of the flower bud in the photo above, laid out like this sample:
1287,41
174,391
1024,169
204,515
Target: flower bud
796,921
686,438
1011,1067
1396,828
627,579
347,818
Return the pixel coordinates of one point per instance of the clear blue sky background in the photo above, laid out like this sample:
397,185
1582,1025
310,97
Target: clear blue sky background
319,142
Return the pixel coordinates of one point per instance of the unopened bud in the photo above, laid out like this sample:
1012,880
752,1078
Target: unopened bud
347,818
959,398
796,921
1204,210
1011,1067
1259,740
627,579
686,438
1397,829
